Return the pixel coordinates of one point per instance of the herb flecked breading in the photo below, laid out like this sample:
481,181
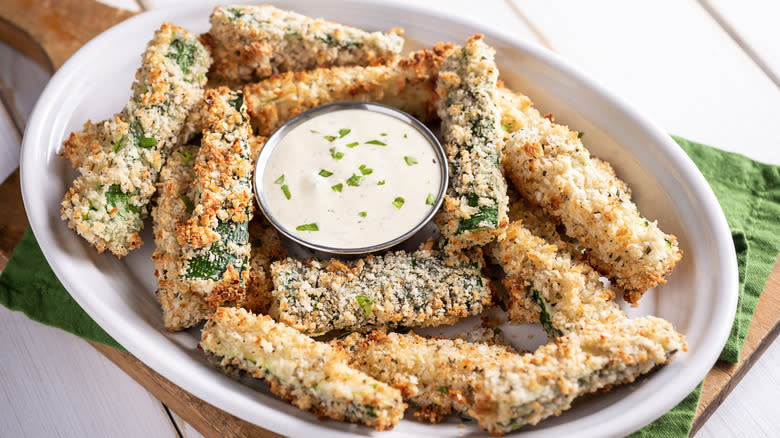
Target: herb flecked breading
309,374
418,289
119,159
475,207
254,42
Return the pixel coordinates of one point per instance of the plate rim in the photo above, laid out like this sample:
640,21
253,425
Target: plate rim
286,423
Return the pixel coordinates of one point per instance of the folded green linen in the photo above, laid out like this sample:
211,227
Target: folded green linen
748,192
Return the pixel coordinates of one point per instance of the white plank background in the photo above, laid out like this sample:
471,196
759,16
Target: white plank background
705,70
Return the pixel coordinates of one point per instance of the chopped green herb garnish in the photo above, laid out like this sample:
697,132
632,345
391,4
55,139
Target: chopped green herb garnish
118,144
430,200
410,161
365,303
186,155
647,224
279,180
365,170
235,13
337,187
343,132
307,227
580,134
506,126
147,142
668,242
362,214
496,330
313,131
183,54
383,134
399,202
335,154
380,183
187,203
376,142
353,144
325,173
354,180
286,191
404,135
443,390
330,137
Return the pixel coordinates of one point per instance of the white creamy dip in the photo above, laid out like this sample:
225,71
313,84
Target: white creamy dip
351,178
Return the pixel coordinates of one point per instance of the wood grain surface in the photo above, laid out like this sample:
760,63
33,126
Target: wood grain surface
51,34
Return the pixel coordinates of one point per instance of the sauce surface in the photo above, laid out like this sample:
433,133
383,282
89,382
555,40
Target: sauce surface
351,178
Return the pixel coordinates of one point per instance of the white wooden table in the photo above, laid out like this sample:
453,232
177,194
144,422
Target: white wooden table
708,70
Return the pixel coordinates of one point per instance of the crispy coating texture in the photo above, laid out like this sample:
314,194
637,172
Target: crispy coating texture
120,159
550,167
407,83
254,42
417,289
309,374
503,390
475,207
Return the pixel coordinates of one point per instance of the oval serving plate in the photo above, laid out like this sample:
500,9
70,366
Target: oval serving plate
699,299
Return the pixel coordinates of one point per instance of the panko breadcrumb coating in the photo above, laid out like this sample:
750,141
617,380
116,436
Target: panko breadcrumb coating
120,159
407,83
309,374
475,206
254,42
418,289
550,167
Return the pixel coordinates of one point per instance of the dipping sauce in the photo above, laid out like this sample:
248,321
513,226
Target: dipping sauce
351,178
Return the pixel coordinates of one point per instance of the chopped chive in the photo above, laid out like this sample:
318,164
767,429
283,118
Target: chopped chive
286,191
147,142
443,390
430,200
187,203
313,131
365,170
354,180
335,154
353,144
343,132
506,126
410,161
399,202
330,137
580,134
325,173
308,227
380,183
383,134
337,187
362,214
376,142
365,303
279,180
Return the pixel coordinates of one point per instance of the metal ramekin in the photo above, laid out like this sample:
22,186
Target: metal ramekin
275,138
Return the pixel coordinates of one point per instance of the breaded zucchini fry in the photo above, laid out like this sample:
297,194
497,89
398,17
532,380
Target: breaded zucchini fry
266,249
215,239
254,42
550,167
309,374
396,289
120,159
406,83
505,391
474,211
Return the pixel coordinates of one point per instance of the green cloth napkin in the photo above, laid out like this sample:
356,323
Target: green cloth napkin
748,191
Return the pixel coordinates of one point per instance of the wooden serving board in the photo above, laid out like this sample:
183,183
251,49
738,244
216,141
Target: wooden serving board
51,31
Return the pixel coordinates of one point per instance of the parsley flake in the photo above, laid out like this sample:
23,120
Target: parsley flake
363,214
383,134
430,200
353,144
286,191
308,227
343,132
354,180
279,180
365,170
380,183
337,187
330,137
365,303
399,202
325,173
580,134
410,161
376,142
313,131
335,154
